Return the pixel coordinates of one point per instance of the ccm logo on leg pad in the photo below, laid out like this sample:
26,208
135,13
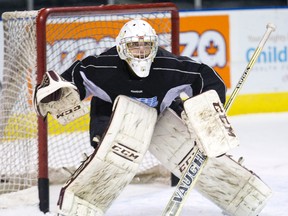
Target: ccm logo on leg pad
125,152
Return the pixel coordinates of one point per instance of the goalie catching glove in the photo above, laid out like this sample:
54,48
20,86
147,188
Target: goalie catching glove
58,97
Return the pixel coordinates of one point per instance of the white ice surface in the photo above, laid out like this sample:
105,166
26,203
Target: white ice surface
264,146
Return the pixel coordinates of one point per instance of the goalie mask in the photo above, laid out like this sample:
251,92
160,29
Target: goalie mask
137,44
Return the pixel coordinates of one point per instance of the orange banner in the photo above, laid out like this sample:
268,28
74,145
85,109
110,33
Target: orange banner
203,38
207,39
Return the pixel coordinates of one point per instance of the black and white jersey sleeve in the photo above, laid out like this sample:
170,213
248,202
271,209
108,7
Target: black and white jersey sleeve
107,76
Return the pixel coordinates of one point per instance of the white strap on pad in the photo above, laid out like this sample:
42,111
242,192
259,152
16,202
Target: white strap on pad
206,118
101,178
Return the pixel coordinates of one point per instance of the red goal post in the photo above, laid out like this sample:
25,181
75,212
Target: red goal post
51,39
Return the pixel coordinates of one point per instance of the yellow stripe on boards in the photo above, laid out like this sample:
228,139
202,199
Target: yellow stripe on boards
79,125
259,103
24,126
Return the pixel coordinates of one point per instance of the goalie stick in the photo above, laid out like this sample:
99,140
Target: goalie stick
197,163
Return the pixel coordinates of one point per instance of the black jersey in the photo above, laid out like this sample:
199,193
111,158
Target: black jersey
106,76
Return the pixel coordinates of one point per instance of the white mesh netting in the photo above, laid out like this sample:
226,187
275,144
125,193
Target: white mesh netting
68,37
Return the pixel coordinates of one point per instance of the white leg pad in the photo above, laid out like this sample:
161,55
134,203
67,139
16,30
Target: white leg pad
104,174
206,118
223,181
172,143
232,187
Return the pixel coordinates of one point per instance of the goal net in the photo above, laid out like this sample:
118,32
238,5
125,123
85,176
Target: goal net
31,149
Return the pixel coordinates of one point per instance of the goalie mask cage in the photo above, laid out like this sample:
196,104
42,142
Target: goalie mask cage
33,149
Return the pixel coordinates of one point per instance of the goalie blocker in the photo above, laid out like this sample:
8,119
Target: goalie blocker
232,187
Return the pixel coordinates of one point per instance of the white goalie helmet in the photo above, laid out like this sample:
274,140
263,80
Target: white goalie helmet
137,44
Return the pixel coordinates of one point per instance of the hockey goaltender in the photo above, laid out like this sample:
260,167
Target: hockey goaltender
136,88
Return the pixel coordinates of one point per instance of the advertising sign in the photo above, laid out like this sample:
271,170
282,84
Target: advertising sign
223,39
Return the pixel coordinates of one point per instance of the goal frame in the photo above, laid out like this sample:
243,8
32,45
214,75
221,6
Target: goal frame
44,13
